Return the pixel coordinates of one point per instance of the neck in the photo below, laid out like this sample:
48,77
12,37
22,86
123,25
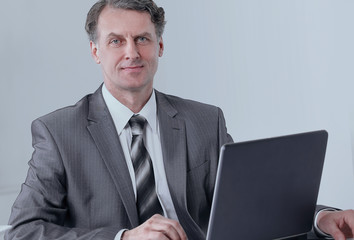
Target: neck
134,100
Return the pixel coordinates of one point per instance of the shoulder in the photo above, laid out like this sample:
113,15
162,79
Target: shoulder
78,109
74,117
182,105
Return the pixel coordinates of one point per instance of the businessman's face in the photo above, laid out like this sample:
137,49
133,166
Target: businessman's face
128,49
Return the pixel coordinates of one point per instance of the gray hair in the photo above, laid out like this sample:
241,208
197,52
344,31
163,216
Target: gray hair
157,14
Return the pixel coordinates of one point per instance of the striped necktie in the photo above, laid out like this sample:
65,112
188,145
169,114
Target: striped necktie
147,202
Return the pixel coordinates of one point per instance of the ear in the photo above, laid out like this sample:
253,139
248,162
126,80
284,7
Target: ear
94,52
161,47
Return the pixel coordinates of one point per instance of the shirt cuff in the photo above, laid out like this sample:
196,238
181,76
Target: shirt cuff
119,234
317,229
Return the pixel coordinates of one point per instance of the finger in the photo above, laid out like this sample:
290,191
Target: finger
172,229
350,221
158,236
144,231
336,233
176,226
181,233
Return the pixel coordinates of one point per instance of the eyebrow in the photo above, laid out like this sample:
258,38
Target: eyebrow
144,34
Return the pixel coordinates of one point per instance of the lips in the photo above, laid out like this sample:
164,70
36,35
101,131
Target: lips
134,68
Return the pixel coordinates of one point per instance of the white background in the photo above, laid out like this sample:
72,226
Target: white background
274,67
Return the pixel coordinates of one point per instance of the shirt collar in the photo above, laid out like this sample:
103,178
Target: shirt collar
121,114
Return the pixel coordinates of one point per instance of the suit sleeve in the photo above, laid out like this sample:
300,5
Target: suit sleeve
224,137
40,211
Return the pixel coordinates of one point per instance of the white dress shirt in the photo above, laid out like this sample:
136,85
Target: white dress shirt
121,115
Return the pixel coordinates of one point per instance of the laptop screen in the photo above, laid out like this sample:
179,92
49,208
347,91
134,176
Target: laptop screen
267,189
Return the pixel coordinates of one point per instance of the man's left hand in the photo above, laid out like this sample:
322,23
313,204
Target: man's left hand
338,224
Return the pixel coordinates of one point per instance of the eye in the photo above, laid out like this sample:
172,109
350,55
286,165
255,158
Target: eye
115,42
141,39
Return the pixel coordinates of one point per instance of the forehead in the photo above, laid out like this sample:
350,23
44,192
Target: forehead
124,22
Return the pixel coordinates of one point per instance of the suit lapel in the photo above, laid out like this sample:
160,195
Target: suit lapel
174,150
105,136
173,143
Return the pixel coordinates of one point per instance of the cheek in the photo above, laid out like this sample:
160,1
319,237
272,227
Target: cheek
152,57
150,52
111,60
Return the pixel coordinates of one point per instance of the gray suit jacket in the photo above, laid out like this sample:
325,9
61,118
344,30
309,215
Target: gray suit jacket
78,185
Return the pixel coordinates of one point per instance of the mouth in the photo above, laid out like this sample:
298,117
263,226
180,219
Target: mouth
133,68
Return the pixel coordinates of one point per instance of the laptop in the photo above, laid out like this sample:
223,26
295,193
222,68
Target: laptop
267,189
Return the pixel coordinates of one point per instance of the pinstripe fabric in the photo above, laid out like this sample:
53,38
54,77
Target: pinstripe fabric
147,201
79,188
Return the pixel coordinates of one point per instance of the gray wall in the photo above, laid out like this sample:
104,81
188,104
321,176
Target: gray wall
274,67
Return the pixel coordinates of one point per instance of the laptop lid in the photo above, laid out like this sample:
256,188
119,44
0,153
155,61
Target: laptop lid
267,189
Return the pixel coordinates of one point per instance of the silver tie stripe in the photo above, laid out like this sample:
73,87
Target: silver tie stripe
147,201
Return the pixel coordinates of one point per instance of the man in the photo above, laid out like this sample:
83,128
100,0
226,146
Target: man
127,162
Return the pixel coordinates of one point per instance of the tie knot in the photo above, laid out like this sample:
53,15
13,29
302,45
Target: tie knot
137,124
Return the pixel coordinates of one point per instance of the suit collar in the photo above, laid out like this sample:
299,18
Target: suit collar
97,107
174,149
164,105
121,114
104,134
173,143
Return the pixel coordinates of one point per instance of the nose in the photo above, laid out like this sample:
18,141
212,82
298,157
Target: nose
131,51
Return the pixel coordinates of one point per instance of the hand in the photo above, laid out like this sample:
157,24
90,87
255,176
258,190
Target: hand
158,228
340,225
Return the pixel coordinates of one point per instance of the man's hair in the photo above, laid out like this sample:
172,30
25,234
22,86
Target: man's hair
157,14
